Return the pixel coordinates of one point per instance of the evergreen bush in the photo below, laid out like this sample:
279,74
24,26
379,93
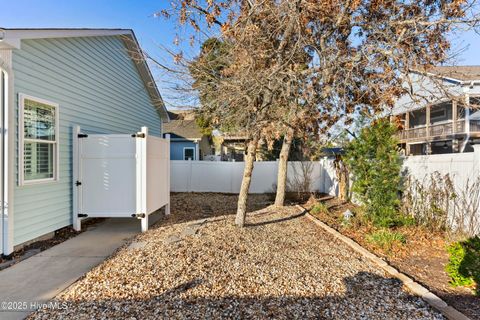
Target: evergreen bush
374,161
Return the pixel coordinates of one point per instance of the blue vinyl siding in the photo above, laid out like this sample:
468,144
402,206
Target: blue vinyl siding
97,86
176,149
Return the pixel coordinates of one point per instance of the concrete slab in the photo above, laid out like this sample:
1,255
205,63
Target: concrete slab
190,231
172,239
43,276
137,245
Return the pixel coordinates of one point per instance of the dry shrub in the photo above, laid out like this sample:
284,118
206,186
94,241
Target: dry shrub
440,205
301,179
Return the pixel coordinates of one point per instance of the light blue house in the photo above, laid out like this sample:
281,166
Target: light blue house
50,81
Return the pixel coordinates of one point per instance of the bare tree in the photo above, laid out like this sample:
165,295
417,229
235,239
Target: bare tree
313,63
283,167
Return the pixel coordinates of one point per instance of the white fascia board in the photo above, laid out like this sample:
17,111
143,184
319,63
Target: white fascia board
12,38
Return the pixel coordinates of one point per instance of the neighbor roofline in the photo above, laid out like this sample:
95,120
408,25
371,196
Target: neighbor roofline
449,79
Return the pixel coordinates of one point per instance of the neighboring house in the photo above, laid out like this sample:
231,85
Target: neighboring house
232,147
50,81
450,121
188,142
186,139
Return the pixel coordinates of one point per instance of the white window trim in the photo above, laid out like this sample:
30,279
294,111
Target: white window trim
194,152
21,140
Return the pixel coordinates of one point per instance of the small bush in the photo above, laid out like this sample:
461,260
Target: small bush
375,164
385,238
464,263
319,207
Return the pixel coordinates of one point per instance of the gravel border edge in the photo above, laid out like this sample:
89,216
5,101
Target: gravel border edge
432,299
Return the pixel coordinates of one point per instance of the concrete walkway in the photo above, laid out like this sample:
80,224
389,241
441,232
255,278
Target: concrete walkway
41,277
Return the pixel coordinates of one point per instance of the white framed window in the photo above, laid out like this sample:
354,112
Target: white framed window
38,140
188,153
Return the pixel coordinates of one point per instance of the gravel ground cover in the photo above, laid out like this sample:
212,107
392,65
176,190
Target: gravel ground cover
423,257
281,266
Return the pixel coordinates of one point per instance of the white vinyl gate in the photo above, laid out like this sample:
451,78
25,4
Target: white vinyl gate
120,175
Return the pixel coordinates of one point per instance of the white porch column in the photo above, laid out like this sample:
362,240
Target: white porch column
467,113
406,130
427,121
454,116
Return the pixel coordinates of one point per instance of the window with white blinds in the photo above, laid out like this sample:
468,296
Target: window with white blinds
39,140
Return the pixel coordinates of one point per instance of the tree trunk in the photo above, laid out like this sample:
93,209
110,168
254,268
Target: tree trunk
283,168
342,176
247,177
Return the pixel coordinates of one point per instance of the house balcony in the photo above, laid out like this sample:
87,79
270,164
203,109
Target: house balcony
438,131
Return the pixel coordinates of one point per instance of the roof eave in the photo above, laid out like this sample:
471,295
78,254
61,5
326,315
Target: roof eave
138,58
449,79
12,39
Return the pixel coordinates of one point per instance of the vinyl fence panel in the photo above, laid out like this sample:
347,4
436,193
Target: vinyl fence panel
226,177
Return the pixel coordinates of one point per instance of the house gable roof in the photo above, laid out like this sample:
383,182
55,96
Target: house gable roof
463,73
183,129
11,39
460,74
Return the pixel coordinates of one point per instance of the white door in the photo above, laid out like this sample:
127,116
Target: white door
107,175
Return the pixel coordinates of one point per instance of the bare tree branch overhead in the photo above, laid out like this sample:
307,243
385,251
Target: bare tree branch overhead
295,68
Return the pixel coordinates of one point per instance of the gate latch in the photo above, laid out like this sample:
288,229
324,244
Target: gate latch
138,215
138,135
82,135
78,183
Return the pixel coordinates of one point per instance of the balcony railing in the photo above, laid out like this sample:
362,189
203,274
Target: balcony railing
438,130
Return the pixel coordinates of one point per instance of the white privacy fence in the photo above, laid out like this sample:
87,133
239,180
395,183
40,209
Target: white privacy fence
461,167
462,204
226,177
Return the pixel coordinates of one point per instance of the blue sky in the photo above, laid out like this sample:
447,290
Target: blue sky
138,15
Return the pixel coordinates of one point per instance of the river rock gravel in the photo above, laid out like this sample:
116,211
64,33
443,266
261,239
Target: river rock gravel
280,266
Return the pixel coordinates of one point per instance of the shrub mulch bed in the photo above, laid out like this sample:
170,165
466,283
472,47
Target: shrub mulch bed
423,257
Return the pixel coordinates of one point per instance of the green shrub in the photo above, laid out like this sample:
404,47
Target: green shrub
464,263
319,207
375,163
385,238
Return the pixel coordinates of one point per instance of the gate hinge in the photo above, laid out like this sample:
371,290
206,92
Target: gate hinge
82,135
82,215
78,183
138,215
138,135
